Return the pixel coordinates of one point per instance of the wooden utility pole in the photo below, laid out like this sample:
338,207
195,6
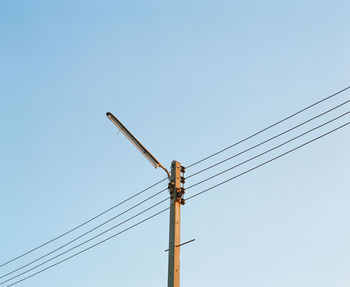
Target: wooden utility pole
176,200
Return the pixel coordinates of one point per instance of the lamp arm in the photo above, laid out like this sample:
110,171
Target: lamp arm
167,172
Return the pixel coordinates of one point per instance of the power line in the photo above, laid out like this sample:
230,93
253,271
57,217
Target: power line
193,196
263,142
266,162
92,246
269,127
269,150
195,163
87,232
84,242
82,224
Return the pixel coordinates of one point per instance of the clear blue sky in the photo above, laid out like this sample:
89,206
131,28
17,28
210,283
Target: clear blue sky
187,78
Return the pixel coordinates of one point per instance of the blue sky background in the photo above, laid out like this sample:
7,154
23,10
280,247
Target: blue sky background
187,78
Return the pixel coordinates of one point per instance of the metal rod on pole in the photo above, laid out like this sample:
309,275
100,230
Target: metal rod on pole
189,241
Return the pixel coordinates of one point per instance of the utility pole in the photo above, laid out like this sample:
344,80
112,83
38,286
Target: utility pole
177,190
176,200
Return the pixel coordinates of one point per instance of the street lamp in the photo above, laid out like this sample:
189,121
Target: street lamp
176,200
136,143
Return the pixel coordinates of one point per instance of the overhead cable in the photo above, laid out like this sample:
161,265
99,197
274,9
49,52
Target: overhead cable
269,127
269,150
269,139
268,161
84,242
90,247
82,224
82,235
195,163
191,197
